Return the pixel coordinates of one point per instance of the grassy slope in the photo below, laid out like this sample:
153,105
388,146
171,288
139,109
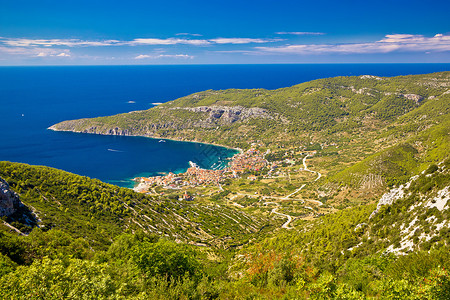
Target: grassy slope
90,209
352,246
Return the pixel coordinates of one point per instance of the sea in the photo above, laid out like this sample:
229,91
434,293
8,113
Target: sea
34,98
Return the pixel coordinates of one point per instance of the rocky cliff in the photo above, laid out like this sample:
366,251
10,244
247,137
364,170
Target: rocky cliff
15,214
416,214
173,118
9,200
228,114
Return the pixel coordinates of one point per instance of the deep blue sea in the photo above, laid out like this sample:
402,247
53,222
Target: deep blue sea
34,98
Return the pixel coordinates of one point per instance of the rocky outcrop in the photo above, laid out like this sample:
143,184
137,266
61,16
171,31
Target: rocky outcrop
149,123
414,97
229,114
112,131
391,196
370,77
9,200
14,210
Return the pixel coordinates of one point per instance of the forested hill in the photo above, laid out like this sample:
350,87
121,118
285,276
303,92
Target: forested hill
97,212
354,105
83,253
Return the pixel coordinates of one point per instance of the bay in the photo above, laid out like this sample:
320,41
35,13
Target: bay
34,98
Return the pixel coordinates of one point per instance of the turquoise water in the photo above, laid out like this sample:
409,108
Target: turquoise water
34,98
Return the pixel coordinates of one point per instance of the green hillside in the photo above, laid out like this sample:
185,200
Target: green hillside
96,211
350,254
325,105
363,116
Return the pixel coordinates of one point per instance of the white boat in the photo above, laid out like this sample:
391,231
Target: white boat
193,164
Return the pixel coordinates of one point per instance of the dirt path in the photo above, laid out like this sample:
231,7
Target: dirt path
300,188
287,197
285,225
274,211
306,167
289,220
293,193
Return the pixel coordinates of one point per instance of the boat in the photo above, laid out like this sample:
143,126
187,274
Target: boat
193,164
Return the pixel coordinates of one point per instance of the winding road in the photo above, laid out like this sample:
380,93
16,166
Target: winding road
289,218
288,197
306,168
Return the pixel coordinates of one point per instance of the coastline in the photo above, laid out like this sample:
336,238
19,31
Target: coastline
195,175
132,180
150,137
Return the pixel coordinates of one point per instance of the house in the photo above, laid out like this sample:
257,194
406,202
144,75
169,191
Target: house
187,197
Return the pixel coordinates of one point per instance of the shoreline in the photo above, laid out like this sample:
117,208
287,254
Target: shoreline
133,180
149,137
195,175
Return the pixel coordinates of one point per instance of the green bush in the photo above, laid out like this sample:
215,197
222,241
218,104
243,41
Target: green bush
165,258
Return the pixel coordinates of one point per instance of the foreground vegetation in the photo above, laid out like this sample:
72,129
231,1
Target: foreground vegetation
97,212
339,255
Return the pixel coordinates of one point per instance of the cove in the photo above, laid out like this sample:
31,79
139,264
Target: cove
119,159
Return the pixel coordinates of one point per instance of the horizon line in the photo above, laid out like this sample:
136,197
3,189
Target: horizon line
230,64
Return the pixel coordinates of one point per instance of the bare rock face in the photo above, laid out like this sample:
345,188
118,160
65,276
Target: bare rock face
229,114
9,200
392,196
370,77
414,97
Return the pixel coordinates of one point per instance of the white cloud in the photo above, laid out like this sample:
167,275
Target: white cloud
169,41
242,40
299,33
18,42
390,43
21,42
190,34
176,56
142,56
34,51
198,42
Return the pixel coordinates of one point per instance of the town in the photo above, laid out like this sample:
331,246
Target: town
248,161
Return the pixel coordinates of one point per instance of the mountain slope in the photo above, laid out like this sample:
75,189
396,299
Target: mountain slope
350,252
90,209
384,129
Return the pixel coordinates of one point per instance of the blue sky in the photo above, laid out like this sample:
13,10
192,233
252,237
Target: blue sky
223,32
